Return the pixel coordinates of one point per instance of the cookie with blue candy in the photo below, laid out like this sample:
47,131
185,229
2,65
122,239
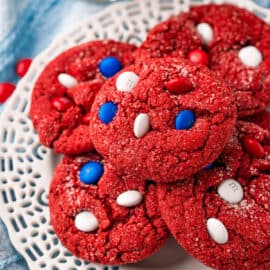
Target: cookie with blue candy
103,217
221,216
230,40
162,119
64,92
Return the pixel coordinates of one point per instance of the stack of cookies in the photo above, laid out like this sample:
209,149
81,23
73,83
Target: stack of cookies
172,137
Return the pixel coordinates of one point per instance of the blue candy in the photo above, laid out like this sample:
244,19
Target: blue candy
109,66
107,111
185,120
91,172
210,166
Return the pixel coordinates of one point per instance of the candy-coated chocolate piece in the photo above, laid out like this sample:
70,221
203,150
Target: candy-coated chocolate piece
217,231
23,66
250,56
179,85
205,31
198,56
141,125
185,120
61,104
253,147
126,81
67,80
109,66
107,112
129,198
231,191
86,222
91,172
6,89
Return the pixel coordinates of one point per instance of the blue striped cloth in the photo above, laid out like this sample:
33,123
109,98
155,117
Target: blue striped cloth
263,3
26,28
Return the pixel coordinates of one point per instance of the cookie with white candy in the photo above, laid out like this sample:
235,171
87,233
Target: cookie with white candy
238,52
229,40
221,216
102,217
162,119
64,92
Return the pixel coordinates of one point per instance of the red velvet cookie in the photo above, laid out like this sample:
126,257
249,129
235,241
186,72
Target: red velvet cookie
175,37
163,119
231,41
102,217
63,93
221,216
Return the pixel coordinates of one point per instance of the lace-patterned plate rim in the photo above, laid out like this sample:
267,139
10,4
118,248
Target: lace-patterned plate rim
26,167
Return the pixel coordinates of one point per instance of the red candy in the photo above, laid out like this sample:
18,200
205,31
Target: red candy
179,85
86,119
198,56
61,104
253,147
6,89
22,66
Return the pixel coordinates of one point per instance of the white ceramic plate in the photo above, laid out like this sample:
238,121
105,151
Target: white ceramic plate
26,167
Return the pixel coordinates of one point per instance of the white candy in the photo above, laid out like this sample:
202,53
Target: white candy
67,80
86,222
141,125
231,191
250,56
206,32
129,198
126,81
217,231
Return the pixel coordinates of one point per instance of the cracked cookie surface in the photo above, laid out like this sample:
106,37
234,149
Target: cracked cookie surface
234,42
221,216
112,221
163,119
64,92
